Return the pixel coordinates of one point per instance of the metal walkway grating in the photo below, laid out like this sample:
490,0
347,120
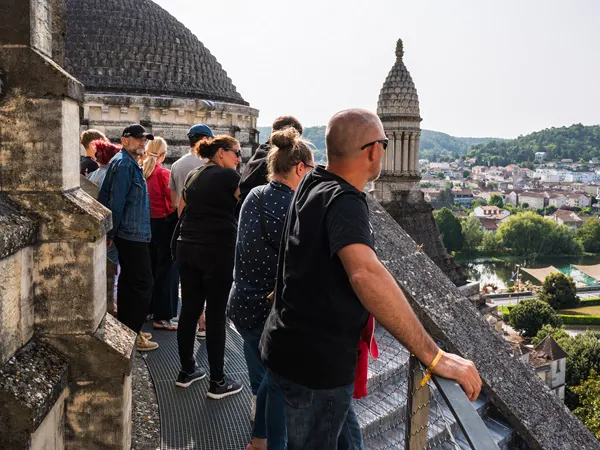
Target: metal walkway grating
188,419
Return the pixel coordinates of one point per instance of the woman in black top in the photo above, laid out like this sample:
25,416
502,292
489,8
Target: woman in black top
205,258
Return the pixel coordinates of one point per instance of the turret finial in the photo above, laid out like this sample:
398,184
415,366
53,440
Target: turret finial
399,49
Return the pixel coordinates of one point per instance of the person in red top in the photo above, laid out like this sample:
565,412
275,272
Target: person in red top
163,219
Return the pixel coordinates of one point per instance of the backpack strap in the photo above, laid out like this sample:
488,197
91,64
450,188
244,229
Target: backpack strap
263,227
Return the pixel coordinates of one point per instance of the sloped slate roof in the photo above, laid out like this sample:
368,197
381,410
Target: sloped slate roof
551,349
135,46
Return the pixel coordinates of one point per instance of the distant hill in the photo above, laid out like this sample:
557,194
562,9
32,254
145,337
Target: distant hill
433,145
577,142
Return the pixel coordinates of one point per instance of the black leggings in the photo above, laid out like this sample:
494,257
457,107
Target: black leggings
165,294
134,291
206,276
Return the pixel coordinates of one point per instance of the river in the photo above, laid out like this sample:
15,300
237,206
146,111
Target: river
500,270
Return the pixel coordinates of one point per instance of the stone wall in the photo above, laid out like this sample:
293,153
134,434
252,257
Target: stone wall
64,364
170,118
404,201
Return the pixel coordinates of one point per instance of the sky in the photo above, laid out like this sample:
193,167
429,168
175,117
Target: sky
481,68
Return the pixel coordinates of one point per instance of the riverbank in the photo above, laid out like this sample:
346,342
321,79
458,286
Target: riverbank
501,270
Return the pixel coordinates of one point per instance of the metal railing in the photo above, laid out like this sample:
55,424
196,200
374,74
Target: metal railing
399,413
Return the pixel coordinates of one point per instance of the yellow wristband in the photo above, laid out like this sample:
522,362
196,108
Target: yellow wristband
434,363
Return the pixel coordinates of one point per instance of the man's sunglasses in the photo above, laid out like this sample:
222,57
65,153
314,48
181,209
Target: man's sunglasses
379,141
234,150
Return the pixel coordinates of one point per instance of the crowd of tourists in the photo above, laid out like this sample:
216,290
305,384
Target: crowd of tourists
285,251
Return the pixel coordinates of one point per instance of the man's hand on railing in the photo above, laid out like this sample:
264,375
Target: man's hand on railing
461,370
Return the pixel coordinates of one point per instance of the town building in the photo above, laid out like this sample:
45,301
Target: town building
533,200
568,218
550,364
462,197
490,217
539,157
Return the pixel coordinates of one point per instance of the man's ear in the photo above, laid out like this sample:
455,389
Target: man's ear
372,153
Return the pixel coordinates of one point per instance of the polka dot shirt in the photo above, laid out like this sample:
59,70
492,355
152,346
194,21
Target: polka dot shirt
255,258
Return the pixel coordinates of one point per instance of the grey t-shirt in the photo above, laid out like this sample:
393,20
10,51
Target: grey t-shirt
180,170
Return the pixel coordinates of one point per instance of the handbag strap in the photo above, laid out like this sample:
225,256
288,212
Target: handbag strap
263,227
188,183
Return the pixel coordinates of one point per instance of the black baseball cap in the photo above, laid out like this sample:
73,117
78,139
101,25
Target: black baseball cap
137,131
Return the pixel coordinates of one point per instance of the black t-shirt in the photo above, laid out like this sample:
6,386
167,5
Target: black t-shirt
312,333
255,173
210,203
87,165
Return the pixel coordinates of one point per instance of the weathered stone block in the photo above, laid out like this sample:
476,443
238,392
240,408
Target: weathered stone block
32,383
98,408
16,302
70,289
48,143
67,216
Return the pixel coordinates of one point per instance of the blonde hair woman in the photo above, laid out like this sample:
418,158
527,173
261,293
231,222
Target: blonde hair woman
163,219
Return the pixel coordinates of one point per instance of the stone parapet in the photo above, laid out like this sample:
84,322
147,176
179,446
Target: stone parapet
18,229
539,416
32,392
98,407
52,255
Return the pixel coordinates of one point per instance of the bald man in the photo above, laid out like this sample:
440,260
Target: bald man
329,280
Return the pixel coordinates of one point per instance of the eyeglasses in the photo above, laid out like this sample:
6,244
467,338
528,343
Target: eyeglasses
379,141
308,165
237,152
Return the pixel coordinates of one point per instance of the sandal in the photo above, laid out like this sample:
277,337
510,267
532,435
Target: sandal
164,325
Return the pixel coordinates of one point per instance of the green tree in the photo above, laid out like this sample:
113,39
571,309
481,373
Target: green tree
559,291
440,175
529,316
478,202
559,335
466,174
496,200
491,243
550,209
472,234
530,234
588,410
450,229
589,235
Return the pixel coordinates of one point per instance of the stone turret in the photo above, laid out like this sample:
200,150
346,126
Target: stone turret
64,363
398,108
397,189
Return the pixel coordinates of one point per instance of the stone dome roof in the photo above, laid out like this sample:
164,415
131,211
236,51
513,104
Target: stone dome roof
398,97
135,46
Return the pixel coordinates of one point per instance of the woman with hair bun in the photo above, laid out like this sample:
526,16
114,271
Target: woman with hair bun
261,224
205,255
163,219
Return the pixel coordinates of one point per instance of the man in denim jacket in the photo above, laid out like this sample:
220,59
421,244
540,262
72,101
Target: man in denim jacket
124,192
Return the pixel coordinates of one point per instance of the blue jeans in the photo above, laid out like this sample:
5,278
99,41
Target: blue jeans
321,419
269,419
256,367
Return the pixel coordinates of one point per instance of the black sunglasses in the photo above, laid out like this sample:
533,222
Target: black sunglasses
379,141
234,150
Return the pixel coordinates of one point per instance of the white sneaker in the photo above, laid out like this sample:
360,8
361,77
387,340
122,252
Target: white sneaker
200,334
252,408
